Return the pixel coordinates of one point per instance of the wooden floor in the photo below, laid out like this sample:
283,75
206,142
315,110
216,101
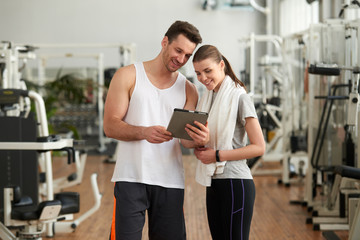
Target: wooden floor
274,217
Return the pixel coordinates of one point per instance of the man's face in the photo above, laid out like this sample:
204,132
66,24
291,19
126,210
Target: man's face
176,53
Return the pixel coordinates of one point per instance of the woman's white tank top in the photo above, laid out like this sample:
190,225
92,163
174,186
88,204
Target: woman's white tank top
144,162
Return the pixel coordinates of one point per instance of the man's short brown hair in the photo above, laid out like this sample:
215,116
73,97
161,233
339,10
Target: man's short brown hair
185,28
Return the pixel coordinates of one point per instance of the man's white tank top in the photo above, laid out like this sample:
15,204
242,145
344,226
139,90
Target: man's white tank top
144,162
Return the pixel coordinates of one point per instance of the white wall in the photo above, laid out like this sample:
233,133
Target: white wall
143,22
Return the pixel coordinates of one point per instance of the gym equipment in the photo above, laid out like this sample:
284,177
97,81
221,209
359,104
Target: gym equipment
295,160
269,112
94,124
352,105
11,57
333,124
276,105
330,218
352,220
22,153
323,47
20,168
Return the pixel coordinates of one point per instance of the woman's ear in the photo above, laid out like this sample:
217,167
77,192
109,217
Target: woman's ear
222,64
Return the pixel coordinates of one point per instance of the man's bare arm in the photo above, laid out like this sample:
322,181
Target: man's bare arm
116,107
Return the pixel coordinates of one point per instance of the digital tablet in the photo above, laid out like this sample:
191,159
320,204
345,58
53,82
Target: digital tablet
180,118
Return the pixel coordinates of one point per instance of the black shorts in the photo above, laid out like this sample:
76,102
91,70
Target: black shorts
164,207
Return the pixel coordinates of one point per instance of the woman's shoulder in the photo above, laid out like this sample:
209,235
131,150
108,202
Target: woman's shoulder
246,103
245,97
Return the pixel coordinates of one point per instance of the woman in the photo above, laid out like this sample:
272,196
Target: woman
230,192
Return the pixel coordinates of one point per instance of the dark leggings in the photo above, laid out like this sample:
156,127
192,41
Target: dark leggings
229,205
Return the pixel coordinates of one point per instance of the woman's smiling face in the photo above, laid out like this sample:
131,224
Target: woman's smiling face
210,73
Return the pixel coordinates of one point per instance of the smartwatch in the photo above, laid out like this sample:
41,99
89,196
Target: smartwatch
217,156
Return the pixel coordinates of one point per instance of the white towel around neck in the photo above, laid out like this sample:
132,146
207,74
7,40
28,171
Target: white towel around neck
221,122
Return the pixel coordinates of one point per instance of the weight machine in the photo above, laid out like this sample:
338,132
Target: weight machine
29,200
19,161
333,215
333,125
14,58
295,106
269,67
274,101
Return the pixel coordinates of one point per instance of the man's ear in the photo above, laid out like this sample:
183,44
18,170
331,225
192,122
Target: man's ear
164,41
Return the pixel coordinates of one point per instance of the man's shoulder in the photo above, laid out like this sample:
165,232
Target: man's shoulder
191,89
125,76
126,72
127,69
190,85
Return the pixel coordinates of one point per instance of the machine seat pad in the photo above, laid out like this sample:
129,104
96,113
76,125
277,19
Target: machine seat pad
70,202
347,171
24,201
33,212
19,200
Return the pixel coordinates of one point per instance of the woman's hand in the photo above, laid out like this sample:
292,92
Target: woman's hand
200,134
205,155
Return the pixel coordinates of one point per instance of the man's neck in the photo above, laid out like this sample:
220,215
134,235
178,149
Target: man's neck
158,74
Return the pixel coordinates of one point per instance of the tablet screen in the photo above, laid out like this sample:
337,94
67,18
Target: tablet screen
180,118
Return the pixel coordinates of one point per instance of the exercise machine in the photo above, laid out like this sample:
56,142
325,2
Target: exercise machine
24,205
14,59
269,111
334,95
275,102
352,222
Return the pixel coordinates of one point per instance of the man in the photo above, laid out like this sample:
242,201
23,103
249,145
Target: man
149,172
